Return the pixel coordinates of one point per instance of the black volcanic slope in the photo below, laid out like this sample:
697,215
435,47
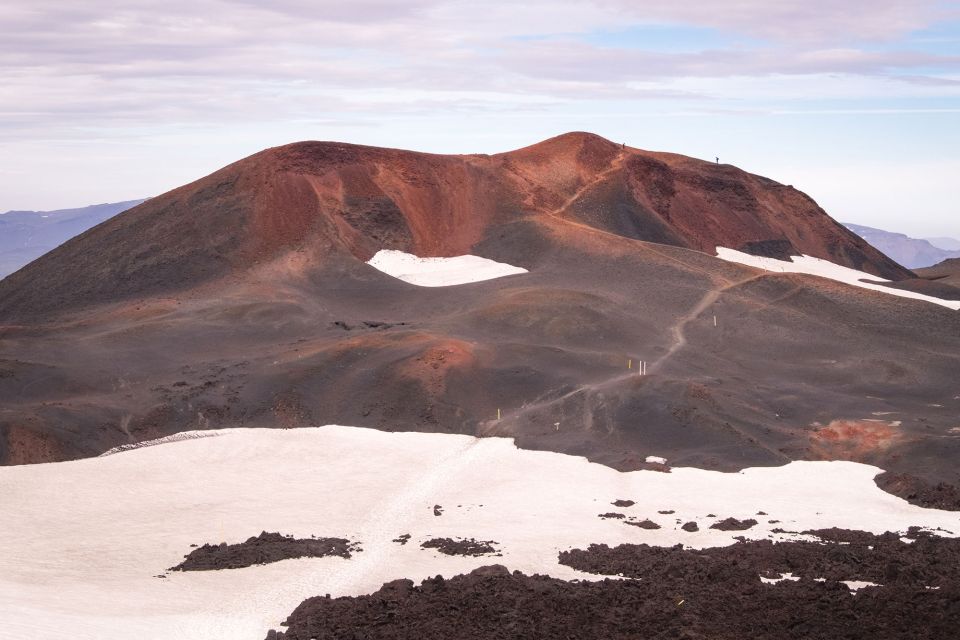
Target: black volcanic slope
263,549
243,300
678,593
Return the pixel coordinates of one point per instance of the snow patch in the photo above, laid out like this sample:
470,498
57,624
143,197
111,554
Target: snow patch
656,460
853,585
440,272
826,269
84,540
783,576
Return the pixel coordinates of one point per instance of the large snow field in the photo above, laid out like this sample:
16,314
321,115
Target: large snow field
440,272
827,269
82,541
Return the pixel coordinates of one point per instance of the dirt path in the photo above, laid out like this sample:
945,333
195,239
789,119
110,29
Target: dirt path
679,329
616,164
490,428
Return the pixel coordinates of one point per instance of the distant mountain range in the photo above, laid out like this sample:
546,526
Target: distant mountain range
950,244
27,235
912,253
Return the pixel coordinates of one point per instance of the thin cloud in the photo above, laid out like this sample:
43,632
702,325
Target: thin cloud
793,21
67,67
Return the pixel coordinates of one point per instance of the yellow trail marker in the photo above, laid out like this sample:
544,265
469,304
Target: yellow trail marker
629,363
498,414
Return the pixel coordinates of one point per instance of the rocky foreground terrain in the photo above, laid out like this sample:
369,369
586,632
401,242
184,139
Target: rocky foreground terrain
537,353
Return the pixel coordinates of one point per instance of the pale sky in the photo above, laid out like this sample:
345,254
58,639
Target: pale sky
856,102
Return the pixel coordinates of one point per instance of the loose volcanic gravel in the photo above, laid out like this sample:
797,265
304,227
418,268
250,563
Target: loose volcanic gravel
263,549
922,560
919,492
732,524
681,593
462,547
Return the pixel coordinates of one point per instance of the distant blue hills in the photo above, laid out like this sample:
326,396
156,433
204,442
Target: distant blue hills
913,253
27,235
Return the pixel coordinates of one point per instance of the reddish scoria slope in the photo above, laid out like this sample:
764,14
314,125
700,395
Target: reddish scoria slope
681,201
243,300
338,199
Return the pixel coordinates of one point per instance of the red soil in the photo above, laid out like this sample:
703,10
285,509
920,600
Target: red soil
432,365
853,440
333,199
28,446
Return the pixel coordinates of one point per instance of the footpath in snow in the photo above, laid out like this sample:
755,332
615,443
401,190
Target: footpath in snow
84,540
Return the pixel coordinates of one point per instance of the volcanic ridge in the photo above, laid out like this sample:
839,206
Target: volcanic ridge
245,299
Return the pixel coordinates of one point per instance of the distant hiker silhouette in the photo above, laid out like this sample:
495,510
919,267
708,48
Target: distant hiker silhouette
718,160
